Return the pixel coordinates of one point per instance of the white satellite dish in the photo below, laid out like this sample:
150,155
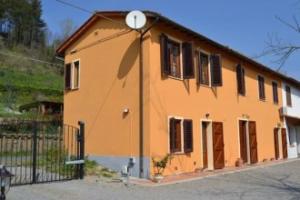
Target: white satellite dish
136,19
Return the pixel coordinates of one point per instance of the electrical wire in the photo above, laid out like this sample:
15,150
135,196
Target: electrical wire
90,12
32,59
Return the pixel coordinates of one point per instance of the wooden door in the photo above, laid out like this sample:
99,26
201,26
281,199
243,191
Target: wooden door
276,144
284,143
218,145
253,142
204,144
243,141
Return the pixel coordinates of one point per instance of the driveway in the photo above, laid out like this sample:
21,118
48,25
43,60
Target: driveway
273,182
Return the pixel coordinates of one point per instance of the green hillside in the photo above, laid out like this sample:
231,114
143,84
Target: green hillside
23,81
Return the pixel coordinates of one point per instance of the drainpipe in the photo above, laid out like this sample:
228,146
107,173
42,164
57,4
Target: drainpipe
141,99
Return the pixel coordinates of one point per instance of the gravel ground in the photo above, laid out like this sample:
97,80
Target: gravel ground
275,182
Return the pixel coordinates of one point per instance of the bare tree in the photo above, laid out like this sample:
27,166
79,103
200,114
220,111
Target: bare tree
67,27
280,48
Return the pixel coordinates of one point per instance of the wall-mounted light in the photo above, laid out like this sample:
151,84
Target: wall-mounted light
207,115
278,125
126,111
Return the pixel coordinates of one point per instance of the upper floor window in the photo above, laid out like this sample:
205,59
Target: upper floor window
204,69
288,96
171,54
72,71
209,70
180,135
275,92
240,76
261,88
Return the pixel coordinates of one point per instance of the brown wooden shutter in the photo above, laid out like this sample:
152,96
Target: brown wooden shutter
261,87
288,96
275,92
240,75
197,66
188,135
68,73
253,142
188,60
284,143
276,143
216,70
164,55
172,135
218,145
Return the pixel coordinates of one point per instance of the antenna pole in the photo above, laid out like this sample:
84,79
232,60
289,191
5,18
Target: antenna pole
141,99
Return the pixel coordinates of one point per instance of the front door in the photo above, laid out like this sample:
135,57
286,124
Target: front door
253,142
218,145
243,141
276,143
204,144
284,143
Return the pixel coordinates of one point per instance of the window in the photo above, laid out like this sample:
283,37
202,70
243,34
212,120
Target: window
216,70
261,88
188,60
181,135
72,73
68,76
210,70
76,75
204,69
171,58
174,58
240,76
288,96
275,92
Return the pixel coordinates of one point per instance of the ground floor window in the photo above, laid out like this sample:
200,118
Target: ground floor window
180,135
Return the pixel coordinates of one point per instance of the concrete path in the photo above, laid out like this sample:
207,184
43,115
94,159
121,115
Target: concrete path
272,182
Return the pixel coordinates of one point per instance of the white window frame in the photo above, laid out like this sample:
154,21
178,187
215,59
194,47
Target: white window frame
209,70
73,74
181,133
180,57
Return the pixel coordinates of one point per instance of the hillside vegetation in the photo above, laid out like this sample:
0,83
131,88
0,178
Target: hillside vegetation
23,81
29,70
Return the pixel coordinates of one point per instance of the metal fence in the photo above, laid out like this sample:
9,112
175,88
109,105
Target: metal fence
41,151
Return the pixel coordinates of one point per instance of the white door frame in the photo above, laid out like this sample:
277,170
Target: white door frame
247,138
209,143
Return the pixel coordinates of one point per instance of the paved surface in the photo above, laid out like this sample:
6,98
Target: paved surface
275,182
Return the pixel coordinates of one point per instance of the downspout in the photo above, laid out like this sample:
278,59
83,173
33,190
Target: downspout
141,99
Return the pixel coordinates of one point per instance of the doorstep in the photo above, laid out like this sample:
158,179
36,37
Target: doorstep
192,176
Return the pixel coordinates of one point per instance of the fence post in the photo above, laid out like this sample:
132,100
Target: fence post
81,150
34,151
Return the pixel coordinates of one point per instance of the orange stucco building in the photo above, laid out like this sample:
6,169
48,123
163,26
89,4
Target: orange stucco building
203,103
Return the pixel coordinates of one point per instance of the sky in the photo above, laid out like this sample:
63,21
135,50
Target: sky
242,25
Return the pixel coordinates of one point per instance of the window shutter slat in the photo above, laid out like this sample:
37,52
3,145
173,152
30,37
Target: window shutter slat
188,60
188,136
164,54
172,135
216,70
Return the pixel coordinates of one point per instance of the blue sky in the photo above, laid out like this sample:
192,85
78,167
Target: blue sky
241,25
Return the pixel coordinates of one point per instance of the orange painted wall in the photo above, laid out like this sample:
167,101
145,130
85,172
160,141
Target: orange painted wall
109,83
171,97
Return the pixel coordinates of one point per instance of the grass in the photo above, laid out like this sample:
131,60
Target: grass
23,81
